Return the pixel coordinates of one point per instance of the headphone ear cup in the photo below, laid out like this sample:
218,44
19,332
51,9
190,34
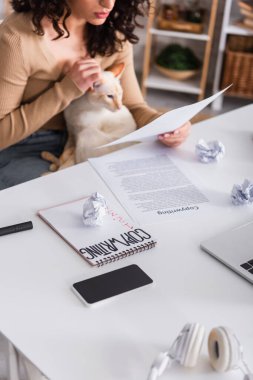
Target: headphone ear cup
223,348
192,345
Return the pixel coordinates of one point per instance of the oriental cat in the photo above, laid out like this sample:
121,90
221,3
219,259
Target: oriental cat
96,118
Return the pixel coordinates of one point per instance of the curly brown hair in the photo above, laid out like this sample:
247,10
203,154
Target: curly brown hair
104,39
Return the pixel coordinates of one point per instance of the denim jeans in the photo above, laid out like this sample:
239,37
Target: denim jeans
22,162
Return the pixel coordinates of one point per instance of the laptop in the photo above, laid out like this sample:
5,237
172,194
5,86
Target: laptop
234,248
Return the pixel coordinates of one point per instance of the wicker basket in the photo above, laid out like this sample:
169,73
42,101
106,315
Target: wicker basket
238,66
179,26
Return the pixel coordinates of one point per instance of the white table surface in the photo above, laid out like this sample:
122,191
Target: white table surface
119,339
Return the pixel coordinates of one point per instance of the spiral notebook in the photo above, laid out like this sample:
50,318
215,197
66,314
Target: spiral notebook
115,239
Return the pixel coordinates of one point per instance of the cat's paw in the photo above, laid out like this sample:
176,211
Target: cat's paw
53,167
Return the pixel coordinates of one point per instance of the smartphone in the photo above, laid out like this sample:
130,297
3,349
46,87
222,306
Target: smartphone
110,284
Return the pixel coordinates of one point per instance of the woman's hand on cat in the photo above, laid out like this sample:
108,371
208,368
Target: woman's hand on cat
175,138
84,73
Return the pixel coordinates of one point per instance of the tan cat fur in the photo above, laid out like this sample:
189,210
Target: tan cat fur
96,118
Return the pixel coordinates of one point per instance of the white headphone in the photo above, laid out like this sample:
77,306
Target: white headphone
225,351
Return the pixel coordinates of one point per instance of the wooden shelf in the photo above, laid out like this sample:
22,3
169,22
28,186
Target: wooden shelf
238,30
170,33
157,81
231,17
152,79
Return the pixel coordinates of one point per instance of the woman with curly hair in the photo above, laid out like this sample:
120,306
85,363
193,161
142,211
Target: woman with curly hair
52,51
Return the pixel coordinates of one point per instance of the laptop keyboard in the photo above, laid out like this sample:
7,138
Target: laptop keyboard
248,266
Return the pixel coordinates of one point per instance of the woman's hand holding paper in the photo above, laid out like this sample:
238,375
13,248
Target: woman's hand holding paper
175,138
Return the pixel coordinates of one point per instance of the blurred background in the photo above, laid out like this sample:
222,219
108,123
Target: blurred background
201,47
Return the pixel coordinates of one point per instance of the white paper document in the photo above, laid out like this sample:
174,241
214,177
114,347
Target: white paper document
168,122
149,184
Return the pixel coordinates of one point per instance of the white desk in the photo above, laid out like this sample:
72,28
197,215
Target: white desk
118,340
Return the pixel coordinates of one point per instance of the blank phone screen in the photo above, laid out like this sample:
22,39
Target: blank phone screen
112,283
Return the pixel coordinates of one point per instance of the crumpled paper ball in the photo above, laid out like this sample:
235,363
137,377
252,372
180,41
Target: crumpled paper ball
242,194
209,151
94,210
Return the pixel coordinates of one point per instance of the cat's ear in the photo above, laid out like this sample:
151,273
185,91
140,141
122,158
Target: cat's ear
117,69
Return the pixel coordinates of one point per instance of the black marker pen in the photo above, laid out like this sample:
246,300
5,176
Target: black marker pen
16,228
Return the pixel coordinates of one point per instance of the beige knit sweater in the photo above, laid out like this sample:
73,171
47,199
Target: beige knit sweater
33,89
